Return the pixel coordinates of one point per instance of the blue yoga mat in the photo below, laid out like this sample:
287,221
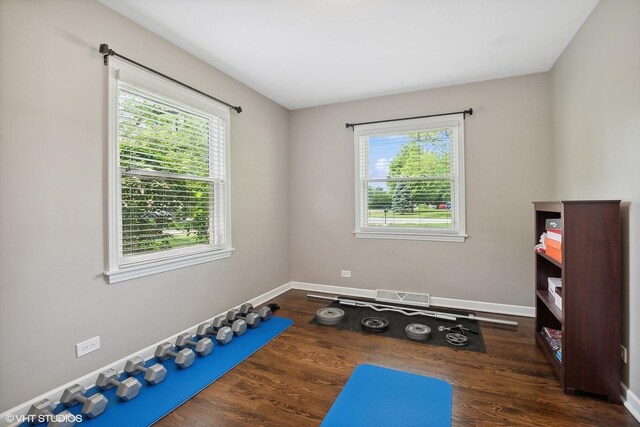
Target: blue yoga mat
377,396
180,385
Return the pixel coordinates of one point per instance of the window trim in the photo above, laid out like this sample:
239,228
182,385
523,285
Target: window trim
118,271
439,235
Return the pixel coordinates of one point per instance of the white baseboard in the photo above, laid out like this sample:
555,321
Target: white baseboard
631,401
336,290
89,379
488,307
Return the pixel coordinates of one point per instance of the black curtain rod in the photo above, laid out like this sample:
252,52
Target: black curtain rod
104,49
464,115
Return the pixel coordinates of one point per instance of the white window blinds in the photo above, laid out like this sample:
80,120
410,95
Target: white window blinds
410,179
171,175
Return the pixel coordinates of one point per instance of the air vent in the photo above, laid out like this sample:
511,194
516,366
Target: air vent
398,297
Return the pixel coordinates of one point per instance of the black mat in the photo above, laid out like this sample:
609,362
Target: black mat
398,321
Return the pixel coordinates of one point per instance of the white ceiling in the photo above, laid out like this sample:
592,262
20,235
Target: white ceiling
303,53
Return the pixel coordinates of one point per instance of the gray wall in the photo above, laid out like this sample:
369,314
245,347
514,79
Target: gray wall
508,164
52,199
596,134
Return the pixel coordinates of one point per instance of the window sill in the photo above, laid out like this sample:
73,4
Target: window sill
159,266
454,238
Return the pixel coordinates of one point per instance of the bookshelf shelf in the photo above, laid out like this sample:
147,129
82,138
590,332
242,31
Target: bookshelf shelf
555,363
590,319
547,299
551,260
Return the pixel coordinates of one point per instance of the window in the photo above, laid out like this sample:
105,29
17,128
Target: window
410,179
168,175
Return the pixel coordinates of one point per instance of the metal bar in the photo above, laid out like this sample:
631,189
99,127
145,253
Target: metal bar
464,115
415,312
104,49
167,175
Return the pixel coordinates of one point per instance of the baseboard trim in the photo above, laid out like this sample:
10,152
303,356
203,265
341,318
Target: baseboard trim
631,402
331,289
488,307
89,379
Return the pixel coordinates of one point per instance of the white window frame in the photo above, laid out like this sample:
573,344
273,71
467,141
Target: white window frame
363,231
118,269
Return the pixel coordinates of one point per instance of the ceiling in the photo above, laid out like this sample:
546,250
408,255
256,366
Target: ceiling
303,53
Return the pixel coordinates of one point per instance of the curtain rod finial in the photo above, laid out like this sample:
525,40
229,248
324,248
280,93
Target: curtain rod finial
470,111
104,49
347,125
238,109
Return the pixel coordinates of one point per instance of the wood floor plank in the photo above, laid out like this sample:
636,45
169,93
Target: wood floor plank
294,380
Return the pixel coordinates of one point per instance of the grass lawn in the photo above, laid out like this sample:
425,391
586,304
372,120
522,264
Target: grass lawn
418,213
414,225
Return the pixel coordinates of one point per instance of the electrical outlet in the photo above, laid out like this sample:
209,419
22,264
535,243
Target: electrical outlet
345,273
86,347
624,354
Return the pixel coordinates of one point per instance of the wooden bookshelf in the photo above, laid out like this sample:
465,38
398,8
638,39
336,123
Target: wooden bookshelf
590,318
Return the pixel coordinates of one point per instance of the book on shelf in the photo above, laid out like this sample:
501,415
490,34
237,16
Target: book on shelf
554,224
553,338
555,236
554,251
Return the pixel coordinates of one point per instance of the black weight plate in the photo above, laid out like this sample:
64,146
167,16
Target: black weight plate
375,324
456,339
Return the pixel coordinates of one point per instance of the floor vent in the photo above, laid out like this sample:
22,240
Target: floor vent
398,297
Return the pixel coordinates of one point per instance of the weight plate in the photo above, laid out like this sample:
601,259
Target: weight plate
456,339
418,332
375,324
330,316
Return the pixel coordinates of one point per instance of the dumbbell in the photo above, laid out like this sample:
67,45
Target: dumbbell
220,322
92,406
127,389
251,319
203,346
264,312
42,411
238,326
184,358
224,334
153,375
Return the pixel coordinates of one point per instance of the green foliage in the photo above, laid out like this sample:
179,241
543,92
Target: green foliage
379,198
402,198
427,154
160,213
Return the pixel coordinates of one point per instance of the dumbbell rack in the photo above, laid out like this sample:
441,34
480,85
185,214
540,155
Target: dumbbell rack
156,401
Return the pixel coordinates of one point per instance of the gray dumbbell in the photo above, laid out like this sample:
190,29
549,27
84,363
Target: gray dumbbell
153,374
204,346
92,406
251,319
184,358
127,388
224,334
264,312
42,411
238,326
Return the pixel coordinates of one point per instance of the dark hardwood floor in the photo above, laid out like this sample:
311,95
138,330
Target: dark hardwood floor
294,379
